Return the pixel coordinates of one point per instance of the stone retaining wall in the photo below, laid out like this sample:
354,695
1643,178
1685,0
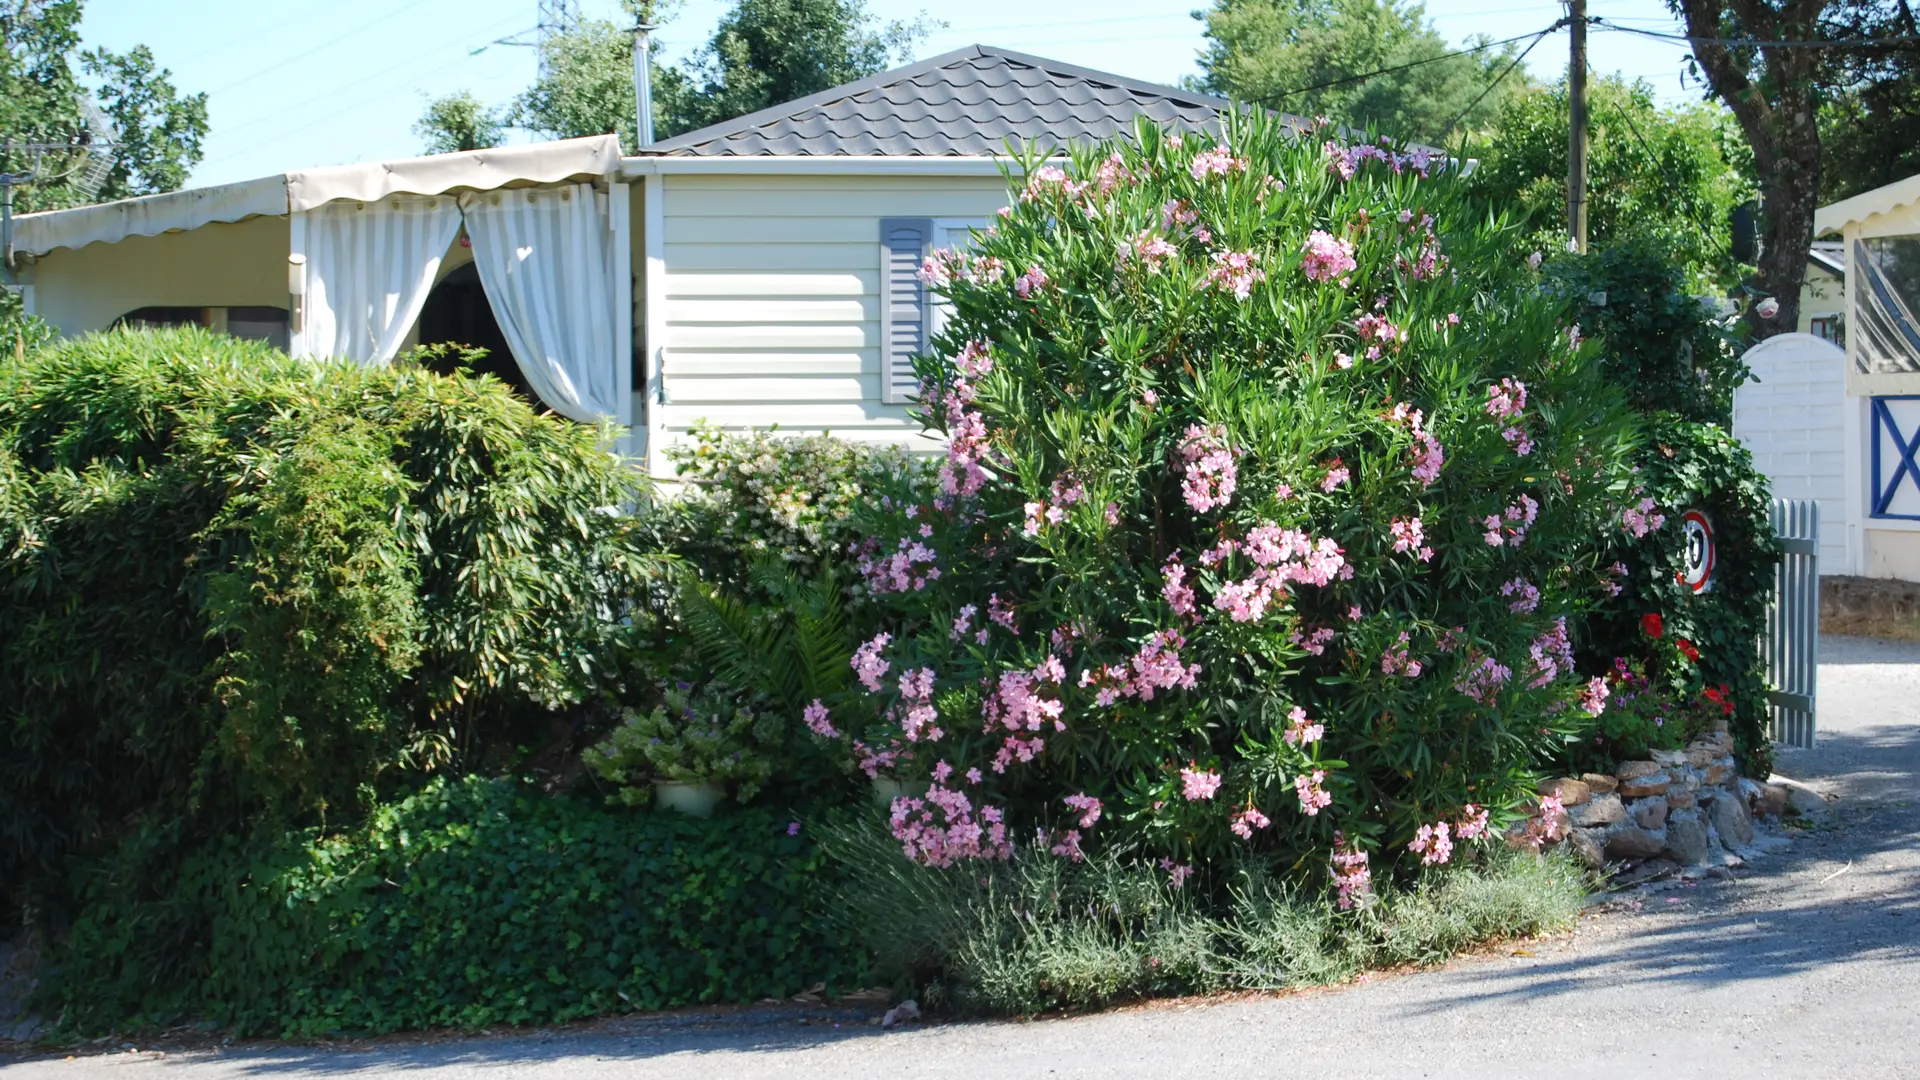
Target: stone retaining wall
1690,807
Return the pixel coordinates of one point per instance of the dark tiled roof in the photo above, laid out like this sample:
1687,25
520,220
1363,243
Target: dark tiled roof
971,101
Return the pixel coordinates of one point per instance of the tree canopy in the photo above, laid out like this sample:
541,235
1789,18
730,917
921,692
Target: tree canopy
763,52
1870,122
1669,178
156,130
459,122
1269,51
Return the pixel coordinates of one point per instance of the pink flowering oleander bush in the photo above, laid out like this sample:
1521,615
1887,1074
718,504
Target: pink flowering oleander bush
1263,527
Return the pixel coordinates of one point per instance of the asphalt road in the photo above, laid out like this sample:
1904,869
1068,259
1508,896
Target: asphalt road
1808,965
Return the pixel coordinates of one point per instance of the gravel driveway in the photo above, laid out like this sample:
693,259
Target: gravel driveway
1807,966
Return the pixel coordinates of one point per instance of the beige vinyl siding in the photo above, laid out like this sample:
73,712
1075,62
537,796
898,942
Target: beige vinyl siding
773,298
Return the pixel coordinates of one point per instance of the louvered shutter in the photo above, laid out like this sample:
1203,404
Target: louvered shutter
906,310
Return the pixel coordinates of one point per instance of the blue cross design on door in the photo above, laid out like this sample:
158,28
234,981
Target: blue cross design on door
1894,460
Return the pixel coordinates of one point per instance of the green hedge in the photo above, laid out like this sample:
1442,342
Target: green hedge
237,587
473,902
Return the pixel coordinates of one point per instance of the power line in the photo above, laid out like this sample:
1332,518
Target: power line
281,66
1537,39
1275,99
379,88
1761,43
1706,226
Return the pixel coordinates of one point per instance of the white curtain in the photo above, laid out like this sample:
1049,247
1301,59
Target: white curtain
369,269
546,260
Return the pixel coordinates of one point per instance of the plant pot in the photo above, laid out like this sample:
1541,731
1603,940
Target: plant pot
886,789
688,797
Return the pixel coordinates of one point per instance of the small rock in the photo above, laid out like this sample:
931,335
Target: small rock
901,1013
1649,813
1770,802
1650,870
1571,792
1701,754
1804,800
1633,770
1587,847
1730,820
1719,773
1642,786
1604,810
1599,783
1668,758
1681,800
1634,842
1687,840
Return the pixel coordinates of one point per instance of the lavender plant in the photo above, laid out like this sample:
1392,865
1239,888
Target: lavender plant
1264,525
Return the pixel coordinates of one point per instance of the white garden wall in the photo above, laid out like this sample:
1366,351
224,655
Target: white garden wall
1795,421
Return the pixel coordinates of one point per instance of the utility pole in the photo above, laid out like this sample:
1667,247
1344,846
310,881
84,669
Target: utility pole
643,81
1577,127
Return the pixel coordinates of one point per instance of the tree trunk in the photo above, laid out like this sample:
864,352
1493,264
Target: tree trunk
1778,113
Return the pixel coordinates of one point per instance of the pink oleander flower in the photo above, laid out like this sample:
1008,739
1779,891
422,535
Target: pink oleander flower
1088,806
1235,272
1178,593
815,716
1593,700
1552,654
1248,820
1395,660
1472,822
1313,797
867,664
1315,642
1327,257
1001,614
1506,399
1428,456
944,827
1299,732
1197,784
1642,519
1209,468
1484,680
1177,873
1528,595
1337,474
1028,283
1432,844
1351,878
1149,399
1408,534
1178,218
1218,161
963,622
1068,846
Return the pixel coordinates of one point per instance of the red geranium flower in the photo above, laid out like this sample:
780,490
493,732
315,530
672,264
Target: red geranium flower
1686,647
1651,624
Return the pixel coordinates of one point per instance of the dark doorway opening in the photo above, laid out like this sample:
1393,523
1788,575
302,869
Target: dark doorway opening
457,313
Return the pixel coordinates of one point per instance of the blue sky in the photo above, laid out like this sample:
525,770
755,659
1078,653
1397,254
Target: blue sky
291,89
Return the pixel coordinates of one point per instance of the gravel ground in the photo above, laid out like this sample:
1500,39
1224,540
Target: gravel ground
1808,965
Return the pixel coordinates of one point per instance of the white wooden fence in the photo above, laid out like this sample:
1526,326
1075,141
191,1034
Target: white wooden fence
1792,643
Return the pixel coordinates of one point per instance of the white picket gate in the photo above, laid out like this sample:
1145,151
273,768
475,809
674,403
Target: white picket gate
1792,643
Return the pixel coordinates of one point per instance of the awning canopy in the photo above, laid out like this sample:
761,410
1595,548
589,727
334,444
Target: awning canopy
475,170
1880,200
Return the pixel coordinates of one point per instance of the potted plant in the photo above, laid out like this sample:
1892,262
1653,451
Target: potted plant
687,752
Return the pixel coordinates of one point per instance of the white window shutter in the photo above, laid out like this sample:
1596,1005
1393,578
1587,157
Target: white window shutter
906,309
